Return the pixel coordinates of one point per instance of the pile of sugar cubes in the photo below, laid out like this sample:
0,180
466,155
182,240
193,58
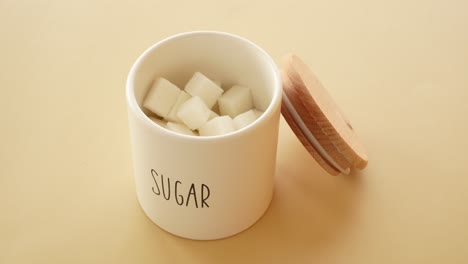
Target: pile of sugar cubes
203,108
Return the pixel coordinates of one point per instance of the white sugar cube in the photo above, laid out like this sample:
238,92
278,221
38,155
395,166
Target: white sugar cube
213,114
161,97
245,119
206,89
180,128
235,101
193,113
172,116
158,121
217,126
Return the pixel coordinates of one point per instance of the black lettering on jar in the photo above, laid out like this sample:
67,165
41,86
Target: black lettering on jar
168,187
177,196
204,190
182,193
192,193
153,173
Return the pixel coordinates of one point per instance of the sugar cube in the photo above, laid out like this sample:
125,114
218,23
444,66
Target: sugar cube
213,114
180,128
161,97
235,101
193,113
245,119
217,126
202,86
172,116
158,121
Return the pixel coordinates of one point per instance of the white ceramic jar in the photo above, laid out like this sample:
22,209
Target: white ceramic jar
205,187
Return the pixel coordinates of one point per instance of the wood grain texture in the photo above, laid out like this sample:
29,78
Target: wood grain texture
300,135
326,120
294,96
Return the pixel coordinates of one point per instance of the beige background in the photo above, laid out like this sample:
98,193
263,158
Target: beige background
398,68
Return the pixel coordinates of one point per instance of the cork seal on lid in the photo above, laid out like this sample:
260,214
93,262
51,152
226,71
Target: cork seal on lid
317,121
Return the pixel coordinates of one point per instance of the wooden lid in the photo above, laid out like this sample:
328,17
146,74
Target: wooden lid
317,121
